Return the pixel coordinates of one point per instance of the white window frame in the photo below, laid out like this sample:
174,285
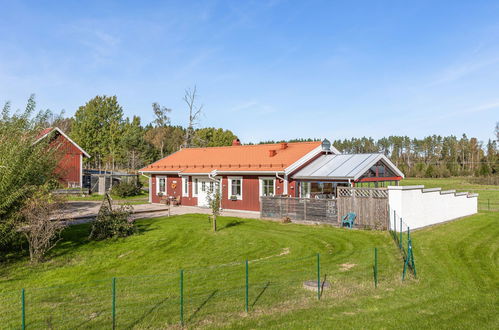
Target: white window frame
158,179
195,187
229,184
309,184
185,186
260,179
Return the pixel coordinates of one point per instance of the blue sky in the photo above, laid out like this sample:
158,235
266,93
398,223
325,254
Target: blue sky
264,69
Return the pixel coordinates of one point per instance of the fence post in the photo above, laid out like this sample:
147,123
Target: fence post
114,303
488,203
305,209
318,276
408,255
247,286
400,241
23,308
182,297
375,267
280,207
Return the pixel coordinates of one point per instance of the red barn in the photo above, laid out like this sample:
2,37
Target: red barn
243,173
70,167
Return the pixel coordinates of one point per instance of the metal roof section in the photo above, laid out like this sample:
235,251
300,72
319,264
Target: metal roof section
343,166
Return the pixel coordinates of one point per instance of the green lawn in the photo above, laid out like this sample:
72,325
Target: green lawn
142,198
488,194
457,284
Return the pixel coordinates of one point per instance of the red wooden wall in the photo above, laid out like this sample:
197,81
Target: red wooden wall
69,167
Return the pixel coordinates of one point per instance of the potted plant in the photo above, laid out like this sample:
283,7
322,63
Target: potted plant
233,198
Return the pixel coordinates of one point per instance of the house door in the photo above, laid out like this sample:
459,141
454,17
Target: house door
205,187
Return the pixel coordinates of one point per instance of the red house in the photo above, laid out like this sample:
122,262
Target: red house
243,173
70,167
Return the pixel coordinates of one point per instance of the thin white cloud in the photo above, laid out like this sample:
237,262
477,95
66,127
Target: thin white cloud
456,72
254,107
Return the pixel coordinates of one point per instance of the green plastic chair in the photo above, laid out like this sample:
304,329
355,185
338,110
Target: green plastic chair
348,220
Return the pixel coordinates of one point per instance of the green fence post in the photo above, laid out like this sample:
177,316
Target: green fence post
23,308
114,303
318,276
400,241
488,203
375,267
247,286
182,297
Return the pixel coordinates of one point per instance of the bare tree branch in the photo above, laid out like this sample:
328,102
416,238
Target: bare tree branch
42,223
190,99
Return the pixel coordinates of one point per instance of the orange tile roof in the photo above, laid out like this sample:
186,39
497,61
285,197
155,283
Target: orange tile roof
233,158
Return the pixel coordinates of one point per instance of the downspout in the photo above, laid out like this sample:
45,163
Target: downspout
284,180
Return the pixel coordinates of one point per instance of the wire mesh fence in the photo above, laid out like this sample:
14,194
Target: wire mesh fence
200,296
488,204
401,233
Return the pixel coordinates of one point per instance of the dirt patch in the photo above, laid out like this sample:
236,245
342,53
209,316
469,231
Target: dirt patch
349,313
283,253
125,254
347,266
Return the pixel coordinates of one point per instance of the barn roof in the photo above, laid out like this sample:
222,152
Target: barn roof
45,132
343,166
239,158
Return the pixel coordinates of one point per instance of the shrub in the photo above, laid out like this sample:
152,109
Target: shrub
41,222
126,189
112,222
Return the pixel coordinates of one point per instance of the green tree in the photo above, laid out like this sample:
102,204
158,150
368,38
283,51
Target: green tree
24,165
98,127
213,137
132,143
158,134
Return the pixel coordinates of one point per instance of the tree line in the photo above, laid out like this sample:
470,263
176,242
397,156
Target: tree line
431,156
118,142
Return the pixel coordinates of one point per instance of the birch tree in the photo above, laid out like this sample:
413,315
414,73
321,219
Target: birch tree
194,110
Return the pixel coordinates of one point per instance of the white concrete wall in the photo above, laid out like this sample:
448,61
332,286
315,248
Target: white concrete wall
419,207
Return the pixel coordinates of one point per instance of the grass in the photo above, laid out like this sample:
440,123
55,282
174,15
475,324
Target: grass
457,286
488,194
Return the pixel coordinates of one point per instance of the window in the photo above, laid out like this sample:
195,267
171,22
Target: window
195,188
305,189
235,187
267,186
161,185
203,186
185,187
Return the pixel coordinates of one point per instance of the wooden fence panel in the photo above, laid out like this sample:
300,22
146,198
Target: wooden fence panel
321,210
370,205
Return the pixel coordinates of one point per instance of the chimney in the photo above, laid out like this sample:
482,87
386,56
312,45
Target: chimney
236,142
283,145
272,153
